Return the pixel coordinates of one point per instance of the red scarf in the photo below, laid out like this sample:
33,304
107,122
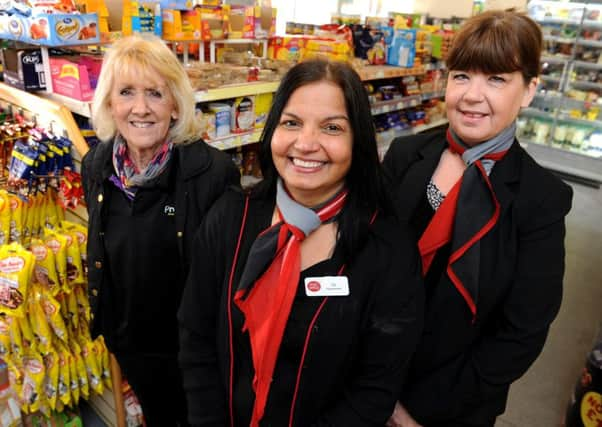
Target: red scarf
465,229
267,301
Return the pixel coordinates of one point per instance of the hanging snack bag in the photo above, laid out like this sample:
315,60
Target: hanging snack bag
83,304
27,336
16,218
44,271
72,310
73,377
16,340
52,311
58,244
81,233
51,381
64,383
75,272
82,376
103,354
4,217
33,381
16,269
39,324
4,337
93,371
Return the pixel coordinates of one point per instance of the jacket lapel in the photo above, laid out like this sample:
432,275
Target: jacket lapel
504,175
416,179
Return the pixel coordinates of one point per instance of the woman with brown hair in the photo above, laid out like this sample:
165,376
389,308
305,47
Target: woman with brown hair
490,225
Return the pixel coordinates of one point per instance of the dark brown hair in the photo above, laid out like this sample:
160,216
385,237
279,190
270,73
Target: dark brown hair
497,41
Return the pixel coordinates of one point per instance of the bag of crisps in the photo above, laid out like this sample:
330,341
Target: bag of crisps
82,375
105,363
33,381
75,272
16,269
93,369
81,233
16,217
58,244
39,324
52,311
51,381
64,387
27,337
4,337
44,271
5,214
16,340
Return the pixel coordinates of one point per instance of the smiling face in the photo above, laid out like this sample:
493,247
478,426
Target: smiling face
312,144
142,107
480,106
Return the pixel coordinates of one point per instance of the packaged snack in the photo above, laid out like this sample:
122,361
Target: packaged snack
73,377
4,337
16,268
16,217
83,304
44,272
51,381
5,216
72,310
27,337
64,383
75,272
58,243
81,232
16,340
93,368
39,325
52,311
82,375
33,381
242,114
103,354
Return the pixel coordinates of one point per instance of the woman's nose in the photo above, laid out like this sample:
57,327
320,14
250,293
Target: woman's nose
307,139
474,91
140,105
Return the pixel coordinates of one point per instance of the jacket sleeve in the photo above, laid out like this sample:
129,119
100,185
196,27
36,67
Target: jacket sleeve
391,329
515,340
198,316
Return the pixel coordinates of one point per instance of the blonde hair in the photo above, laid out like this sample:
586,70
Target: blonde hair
145,55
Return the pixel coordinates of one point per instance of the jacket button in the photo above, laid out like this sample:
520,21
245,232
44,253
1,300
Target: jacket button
95,292
180,234
98,264
100,198
91,316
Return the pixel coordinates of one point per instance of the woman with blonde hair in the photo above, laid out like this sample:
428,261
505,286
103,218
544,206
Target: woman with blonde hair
147,185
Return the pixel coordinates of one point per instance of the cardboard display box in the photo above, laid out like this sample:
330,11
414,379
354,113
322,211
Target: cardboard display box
23,68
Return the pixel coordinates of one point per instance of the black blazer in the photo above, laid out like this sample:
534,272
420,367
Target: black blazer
462,371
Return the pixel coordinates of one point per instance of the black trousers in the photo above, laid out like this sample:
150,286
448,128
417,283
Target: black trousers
157,382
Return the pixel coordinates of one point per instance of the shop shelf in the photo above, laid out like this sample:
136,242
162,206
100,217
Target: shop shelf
563,21
236,140
431,95
395,104
559,39
588,23
554,59
385,138
375,72
82,108
551,79
233,91
589,43
585,85
587,65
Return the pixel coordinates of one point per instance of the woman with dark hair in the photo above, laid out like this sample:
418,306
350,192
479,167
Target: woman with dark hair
305,303
490,226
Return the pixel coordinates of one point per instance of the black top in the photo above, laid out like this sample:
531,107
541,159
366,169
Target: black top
462,369
139,251
357,349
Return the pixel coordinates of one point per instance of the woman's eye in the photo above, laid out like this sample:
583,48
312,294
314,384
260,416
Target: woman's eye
497,79
125,92
154,93
460,76
289,123
332,128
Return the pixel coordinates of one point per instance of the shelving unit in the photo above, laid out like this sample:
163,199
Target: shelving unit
563,126
212,43
233,91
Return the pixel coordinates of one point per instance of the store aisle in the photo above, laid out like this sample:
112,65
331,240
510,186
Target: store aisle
540,398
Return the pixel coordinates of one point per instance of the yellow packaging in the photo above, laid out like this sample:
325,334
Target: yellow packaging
4,337
64,388
93,369
16,268
52,311
263,103
45,267
26,332
16,340
58,243
33,381
39,324
15,376
81,232
74,380
82,376
83,304
103,354
72,310
28,218
51,381
16,218
75,272
37,217
5,214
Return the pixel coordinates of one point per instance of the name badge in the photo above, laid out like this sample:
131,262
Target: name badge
327,286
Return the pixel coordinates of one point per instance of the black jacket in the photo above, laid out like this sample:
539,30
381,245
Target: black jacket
357,347
462,371
202,175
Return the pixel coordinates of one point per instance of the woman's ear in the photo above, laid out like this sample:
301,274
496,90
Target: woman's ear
174,115
530,90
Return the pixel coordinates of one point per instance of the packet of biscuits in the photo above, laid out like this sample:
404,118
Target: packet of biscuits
16,269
